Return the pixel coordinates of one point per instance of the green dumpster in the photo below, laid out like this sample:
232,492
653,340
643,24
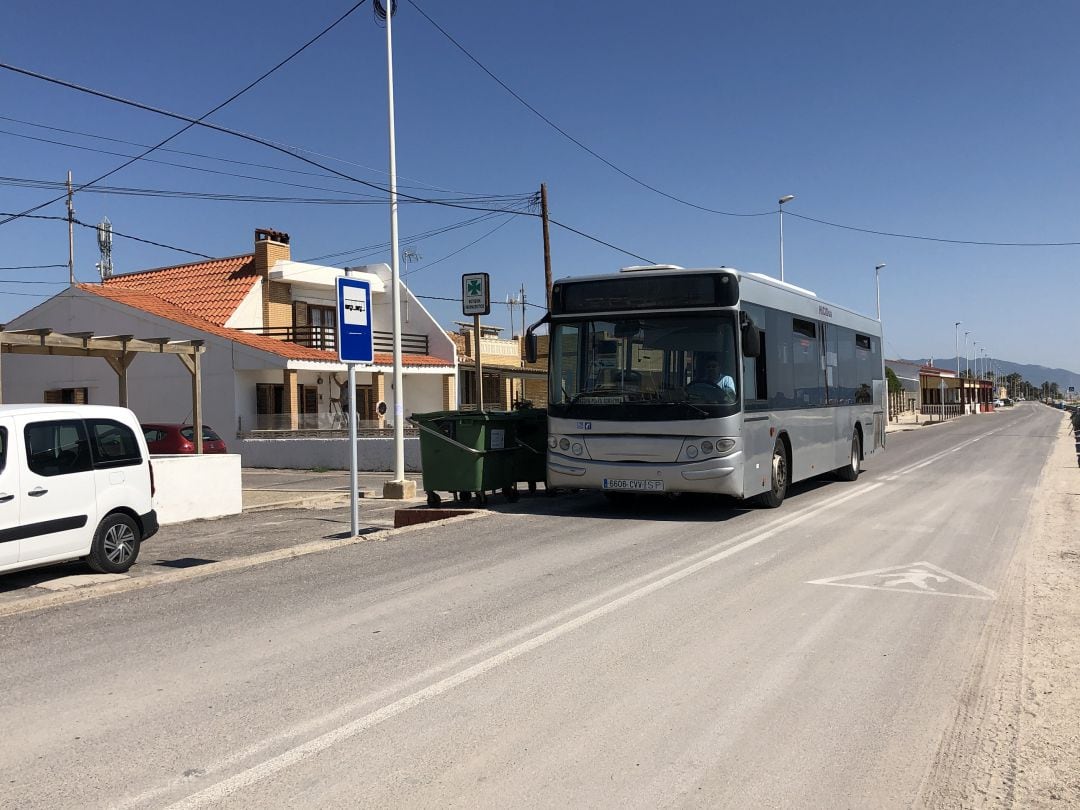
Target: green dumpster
467,454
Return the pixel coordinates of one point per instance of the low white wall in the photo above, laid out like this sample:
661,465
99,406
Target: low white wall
191,487
372,455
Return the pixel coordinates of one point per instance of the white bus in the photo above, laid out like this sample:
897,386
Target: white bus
667,380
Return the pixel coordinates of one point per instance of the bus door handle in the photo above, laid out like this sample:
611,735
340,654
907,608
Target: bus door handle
4,497
37,492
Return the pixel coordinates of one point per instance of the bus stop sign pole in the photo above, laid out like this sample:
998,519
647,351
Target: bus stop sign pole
355,345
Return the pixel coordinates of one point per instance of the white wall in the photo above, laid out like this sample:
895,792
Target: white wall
373,455
193,487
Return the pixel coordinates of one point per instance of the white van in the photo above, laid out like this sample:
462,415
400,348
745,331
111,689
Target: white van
75,482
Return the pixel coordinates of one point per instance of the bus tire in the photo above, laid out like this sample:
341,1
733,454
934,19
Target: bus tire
779,477
851,470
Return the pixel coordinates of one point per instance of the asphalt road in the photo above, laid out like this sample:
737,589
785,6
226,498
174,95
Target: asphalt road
559,653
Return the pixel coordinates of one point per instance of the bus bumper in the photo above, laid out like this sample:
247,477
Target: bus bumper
713,475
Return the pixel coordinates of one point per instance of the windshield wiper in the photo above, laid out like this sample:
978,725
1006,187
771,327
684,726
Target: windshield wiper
680,402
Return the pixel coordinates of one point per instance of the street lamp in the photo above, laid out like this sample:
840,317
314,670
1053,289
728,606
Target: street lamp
956,345
784,199
966,364
877,287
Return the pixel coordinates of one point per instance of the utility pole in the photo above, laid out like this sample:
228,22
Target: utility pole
71,232
523,313
547,241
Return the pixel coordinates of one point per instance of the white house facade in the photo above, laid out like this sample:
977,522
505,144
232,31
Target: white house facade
270,371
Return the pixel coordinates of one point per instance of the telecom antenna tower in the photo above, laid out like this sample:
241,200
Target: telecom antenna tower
104,241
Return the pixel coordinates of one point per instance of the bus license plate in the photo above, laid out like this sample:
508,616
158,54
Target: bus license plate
633,484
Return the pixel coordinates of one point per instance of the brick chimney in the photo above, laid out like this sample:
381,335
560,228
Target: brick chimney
270,247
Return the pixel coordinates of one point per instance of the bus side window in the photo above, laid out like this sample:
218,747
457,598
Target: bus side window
755,380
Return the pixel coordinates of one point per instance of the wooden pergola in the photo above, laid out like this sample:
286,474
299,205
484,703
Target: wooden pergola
118,351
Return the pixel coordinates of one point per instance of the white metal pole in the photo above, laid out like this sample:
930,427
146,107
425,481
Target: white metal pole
399,408
959,379
354,497
781,241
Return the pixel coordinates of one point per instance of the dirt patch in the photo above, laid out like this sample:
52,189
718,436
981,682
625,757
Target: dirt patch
1015,740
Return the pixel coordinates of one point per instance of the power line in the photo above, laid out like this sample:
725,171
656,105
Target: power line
367,199
114,233
929,238
34,266
449,203
190,124
459,250
574,140
420,183
20,281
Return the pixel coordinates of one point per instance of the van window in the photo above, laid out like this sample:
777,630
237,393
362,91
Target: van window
3,448
57,448
113,444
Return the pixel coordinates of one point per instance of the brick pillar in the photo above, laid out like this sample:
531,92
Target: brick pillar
292,399
378,388
271,247
449,392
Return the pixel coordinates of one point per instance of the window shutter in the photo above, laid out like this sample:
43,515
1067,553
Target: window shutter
54,397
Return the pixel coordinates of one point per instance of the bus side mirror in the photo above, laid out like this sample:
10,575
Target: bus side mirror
530,339
751,337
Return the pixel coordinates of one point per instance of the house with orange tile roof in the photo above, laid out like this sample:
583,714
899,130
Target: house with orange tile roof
271,368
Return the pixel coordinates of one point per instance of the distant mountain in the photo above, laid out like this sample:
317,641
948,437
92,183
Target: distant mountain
1036,375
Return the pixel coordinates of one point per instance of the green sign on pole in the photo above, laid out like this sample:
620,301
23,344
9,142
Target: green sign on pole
475,294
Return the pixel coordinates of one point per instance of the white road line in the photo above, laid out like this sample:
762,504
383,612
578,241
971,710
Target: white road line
222,790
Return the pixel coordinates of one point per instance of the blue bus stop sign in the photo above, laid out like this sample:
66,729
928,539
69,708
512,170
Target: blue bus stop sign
355,343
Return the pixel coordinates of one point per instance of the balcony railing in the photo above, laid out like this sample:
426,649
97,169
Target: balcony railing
325,337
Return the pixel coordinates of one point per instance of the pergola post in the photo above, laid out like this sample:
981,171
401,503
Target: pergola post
119,363
194,366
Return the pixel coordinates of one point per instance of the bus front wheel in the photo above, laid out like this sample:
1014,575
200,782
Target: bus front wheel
851,470
774,495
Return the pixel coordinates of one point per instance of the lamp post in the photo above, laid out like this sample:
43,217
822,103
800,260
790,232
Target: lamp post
956,345
784,199
877,287
978,389
399,487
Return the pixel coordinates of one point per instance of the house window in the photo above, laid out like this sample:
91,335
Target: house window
269,403
67,396
314,325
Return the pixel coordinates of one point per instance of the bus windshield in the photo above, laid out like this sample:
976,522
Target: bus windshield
658,367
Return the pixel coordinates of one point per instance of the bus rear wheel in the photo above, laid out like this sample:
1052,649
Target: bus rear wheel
851,470
778,485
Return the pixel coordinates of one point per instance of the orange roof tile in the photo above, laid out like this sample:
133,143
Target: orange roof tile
148,302
212,290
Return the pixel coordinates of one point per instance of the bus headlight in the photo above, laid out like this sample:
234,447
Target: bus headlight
570,445
691,451
723,446
706,447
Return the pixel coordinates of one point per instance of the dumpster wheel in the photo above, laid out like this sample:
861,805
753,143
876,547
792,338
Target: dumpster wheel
510,493
464,496
433,499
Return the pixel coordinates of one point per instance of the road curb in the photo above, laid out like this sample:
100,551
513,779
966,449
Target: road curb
60,598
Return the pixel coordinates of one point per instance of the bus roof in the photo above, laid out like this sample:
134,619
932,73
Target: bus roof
758,278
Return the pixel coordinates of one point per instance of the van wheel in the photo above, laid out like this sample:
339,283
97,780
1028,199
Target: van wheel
115,546
851,470
774,496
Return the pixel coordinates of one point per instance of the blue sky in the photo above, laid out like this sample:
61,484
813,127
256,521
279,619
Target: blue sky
955,120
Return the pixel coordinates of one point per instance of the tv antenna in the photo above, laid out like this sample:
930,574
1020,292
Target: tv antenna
104,241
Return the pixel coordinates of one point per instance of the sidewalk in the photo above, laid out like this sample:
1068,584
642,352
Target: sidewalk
286,513
278,489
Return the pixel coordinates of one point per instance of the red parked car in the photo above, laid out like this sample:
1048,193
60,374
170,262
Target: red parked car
170,439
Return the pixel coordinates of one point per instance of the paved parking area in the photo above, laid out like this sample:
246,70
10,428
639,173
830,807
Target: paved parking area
283,509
